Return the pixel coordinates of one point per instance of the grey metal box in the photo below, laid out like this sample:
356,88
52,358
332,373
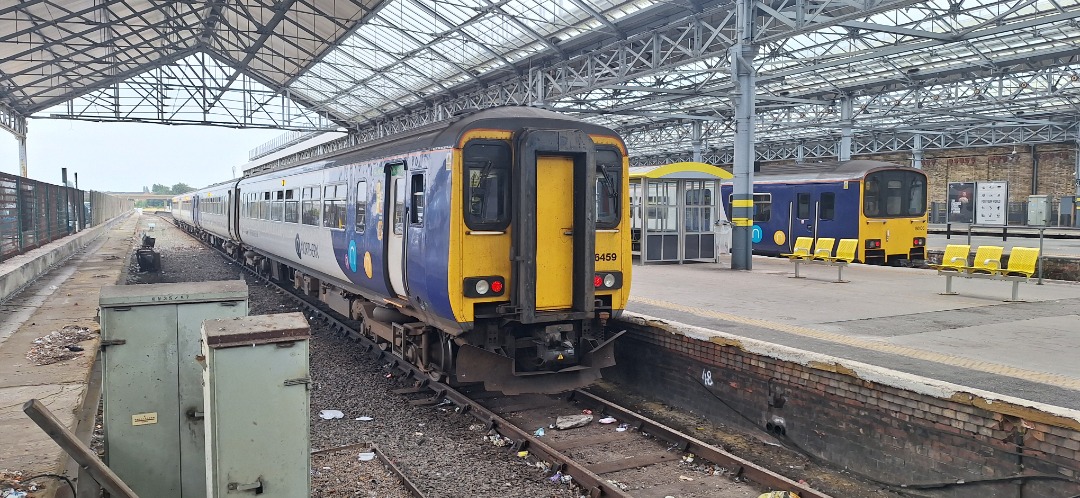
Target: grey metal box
255,387
1038,210
152,381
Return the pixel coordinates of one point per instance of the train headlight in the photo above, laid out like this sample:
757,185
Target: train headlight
609,280
873,244
483,286
918,242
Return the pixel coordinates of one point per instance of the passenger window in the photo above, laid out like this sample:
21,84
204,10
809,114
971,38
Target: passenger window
399,206
277,208
802,206
264,206
292,206
762,207
487,185
608,182
416,214
361,205
334,207
828,206
309,206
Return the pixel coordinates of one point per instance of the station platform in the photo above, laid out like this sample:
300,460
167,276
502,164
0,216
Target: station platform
65,296
890,317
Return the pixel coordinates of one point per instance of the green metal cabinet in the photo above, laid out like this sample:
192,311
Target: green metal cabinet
152,381
256,391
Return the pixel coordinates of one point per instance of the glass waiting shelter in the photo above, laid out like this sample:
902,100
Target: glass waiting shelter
676,214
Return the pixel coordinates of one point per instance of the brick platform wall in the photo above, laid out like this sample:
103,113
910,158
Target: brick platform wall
891,434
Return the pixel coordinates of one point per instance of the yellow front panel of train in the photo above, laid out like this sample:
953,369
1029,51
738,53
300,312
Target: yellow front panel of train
554,232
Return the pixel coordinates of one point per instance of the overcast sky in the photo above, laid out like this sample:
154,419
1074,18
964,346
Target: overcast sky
125,157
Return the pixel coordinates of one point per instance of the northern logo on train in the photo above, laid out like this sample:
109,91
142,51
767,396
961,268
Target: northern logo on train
305,248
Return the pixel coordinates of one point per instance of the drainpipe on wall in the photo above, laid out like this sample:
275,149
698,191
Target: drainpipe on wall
1034,171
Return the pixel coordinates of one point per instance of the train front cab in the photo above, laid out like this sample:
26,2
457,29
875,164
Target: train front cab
532,195
892,217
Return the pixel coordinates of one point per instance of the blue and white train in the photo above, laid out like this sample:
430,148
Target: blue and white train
493,247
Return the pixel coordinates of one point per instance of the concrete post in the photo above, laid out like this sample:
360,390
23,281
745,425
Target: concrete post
742,204
22,155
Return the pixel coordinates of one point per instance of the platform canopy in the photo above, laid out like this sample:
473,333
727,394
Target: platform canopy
897,75
681,171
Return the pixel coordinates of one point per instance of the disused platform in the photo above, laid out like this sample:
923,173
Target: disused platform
65,296
890,317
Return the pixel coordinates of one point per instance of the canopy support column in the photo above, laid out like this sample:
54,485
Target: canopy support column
742,205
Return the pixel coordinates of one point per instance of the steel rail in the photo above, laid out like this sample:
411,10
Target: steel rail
700,448
389,464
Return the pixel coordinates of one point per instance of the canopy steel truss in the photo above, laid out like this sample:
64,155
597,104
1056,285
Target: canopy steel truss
905,68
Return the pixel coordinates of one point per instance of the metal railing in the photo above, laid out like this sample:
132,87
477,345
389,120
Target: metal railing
34,213
1062,213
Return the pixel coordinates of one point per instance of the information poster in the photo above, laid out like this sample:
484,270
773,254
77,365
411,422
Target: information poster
992,203
962,202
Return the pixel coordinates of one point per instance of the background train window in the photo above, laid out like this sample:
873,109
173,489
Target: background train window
416,214
802,206
828,206
487,184
277,207
608,180
292,206
309,205
762,206
894,193
361,205
334,206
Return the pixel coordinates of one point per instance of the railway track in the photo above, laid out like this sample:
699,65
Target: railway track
557,452
387,463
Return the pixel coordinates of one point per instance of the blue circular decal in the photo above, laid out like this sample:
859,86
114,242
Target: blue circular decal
755,234
352,255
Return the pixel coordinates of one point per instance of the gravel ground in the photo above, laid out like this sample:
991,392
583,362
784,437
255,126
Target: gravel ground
443,452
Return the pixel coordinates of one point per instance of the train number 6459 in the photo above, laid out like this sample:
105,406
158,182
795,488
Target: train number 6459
607,256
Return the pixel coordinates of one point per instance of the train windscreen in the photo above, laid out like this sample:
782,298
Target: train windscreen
894,193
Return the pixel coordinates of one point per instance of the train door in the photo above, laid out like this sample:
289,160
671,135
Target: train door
803,218
195,210
395,229
554,225
554,231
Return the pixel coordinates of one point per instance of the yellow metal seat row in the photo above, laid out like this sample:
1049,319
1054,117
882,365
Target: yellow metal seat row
1023,262
806,251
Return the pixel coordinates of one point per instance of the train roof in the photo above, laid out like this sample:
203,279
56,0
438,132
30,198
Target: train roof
447,134
823,171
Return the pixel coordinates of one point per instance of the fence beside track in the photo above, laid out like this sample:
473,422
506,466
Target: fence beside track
34,213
